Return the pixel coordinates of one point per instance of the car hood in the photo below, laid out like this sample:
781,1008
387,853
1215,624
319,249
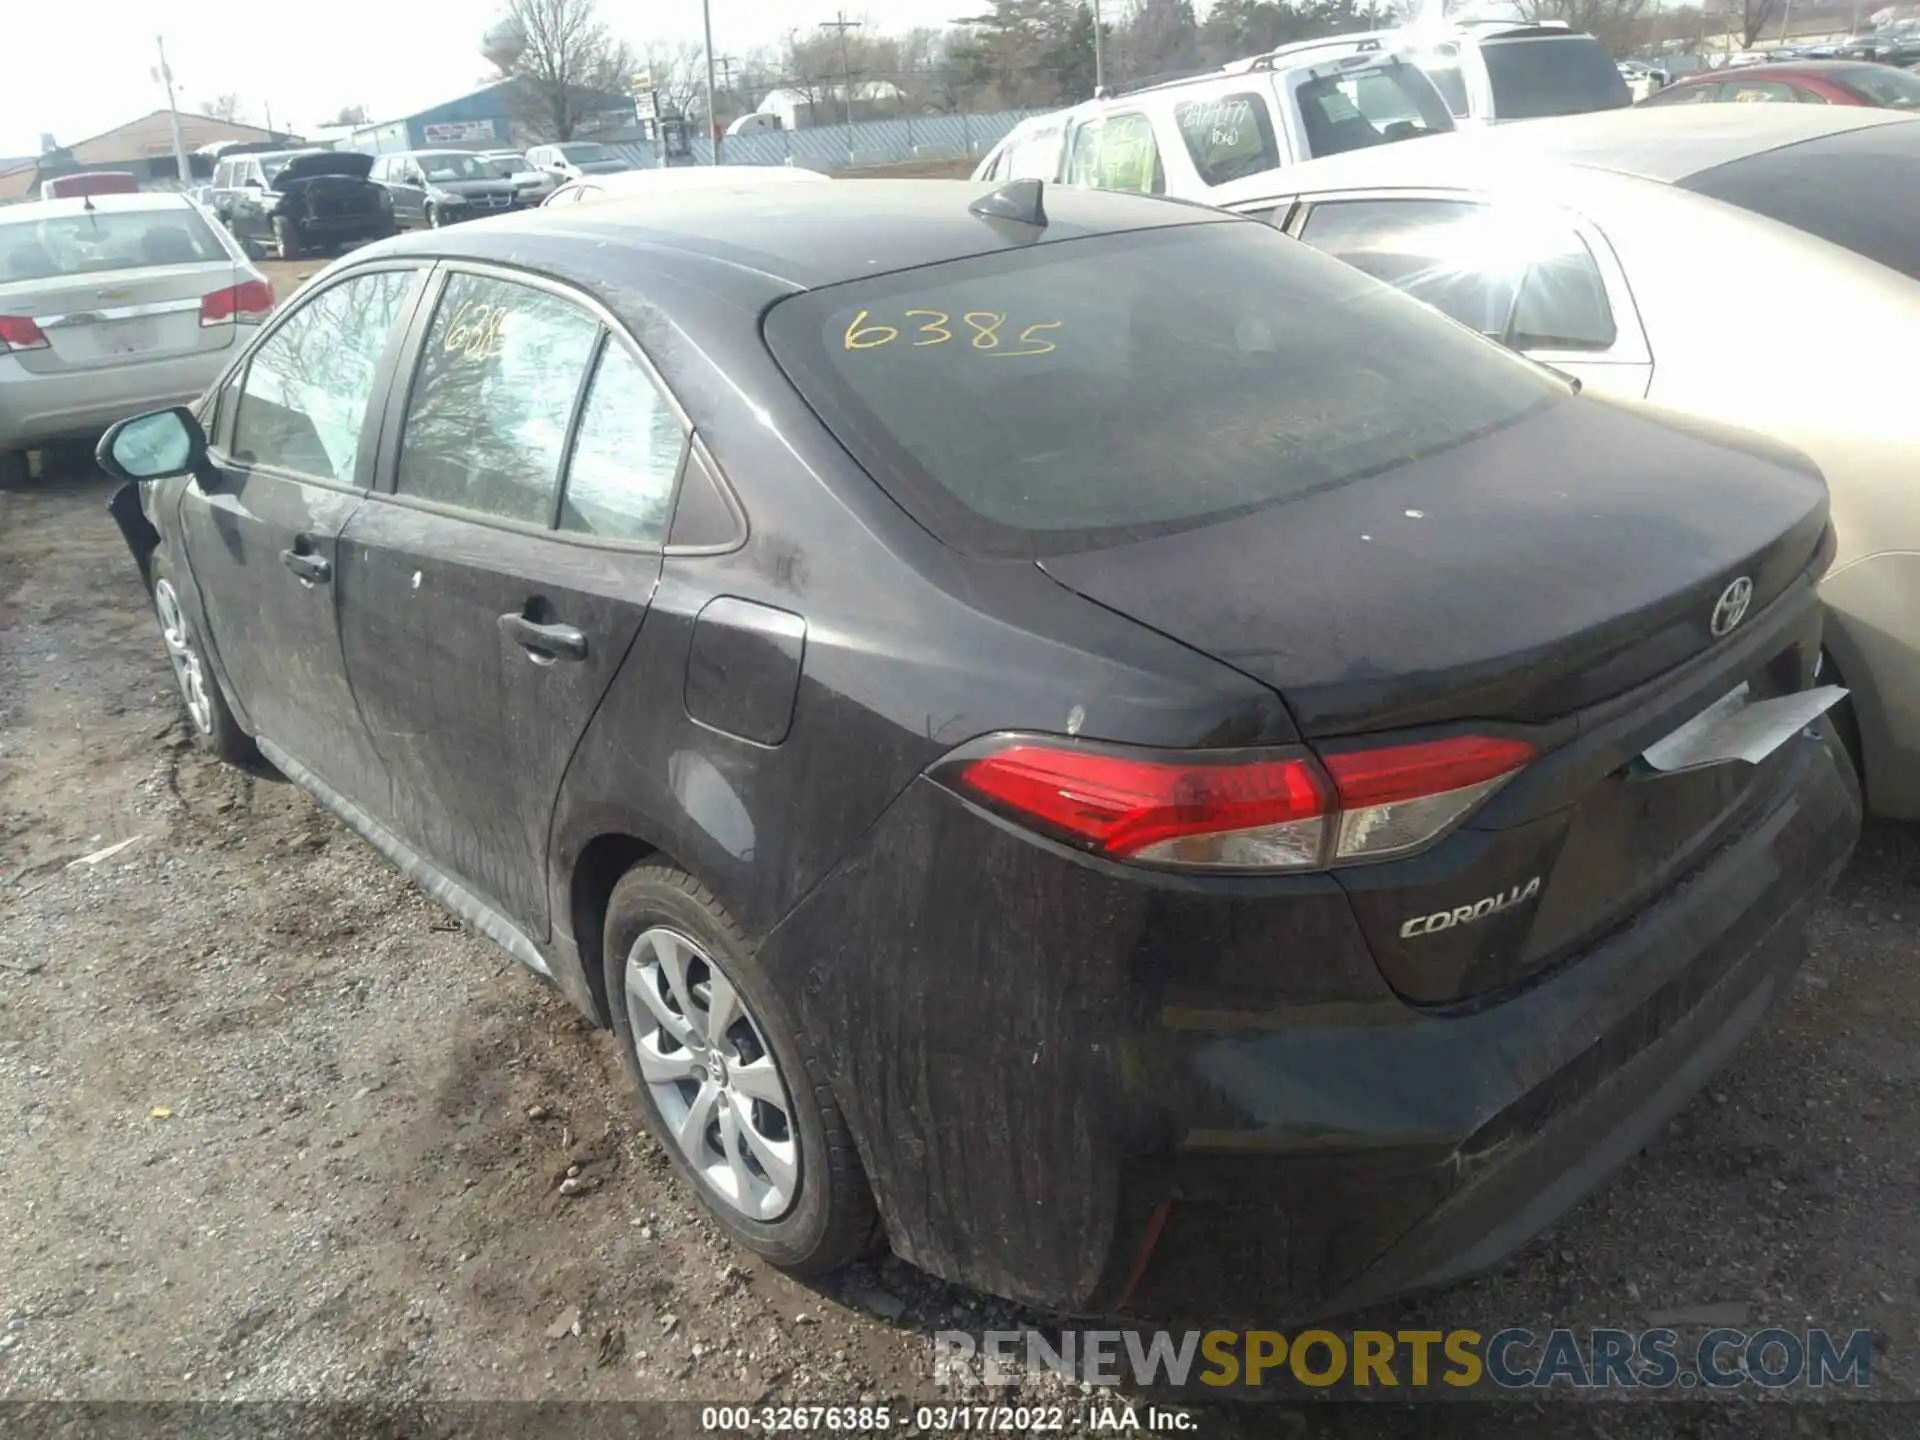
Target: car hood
327,162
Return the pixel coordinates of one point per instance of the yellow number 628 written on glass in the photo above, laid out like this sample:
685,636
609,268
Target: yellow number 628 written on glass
982,331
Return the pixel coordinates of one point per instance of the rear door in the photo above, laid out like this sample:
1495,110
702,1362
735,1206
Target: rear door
114,286
408,188
493,588
1534,277
293,448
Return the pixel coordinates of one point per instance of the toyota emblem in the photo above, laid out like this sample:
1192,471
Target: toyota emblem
1731,608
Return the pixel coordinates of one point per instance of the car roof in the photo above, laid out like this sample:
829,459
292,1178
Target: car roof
1668,144
98,204
799,237
1783,69
690,177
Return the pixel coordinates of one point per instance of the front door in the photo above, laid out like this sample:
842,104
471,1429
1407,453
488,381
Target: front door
493,588
409,190
293,453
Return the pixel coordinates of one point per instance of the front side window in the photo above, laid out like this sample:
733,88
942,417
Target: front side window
1520,275
1358,108
303,403
454,165
1117,152
626,456
1228,137
486,423
1065,396
1883,85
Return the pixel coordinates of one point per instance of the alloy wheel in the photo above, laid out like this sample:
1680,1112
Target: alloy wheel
184,656
706,1063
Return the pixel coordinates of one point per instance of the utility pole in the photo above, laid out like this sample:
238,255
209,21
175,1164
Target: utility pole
713,126
269,105
1099,53
173,117
842,24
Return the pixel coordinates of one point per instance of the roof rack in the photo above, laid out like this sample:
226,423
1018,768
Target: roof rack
1154,82
1287,55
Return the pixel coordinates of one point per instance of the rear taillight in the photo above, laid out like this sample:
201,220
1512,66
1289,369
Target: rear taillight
18,332
249,304
1286,810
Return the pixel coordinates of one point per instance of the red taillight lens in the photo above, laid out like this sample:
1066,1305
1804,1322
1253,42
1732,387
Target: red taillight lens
1236,812
18,332
249,304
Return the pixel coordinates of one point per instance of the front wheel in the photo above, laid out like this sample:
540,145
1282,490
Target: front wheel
214,728
731,1090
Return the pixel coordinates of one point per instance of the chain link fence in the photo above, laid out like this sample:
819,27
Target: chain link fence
863,144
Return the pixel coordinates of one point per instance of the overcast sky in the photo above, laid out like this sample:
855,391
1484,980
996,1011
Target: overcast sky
83,66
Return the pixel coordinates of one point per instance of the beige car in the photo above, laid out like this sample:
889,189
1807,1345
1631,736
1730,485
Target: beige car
1752,264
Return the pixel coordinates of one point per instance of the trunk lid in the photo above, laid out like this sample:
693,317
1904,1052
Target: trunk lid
329,195
120,317
1520,576
1556,581
311,163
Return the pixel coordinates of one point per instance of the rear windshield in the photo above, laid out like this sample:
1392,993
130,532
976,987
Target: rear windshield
1358,108
1883,85
1084,393
1556,75
88,242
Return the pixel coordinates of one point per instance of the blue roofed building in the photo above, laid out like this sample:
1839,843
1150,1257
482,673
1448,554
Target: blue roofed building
507,113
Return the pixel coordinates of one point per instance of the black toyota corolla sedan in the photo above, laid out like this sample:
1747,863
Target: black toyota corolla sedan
1065,733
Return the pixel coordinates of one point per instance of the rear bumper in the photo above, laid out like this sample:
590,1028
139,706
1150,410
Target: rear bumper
78,404
1092,1091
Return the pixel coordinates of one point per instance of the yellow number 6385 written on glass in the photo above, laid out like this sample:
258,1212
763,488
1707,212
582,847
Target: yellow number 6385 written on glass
981,330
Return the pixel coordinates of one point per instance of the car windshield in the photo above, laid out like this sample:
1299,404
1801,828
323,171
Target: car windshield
1883,85
1065,396
1358,108
1552,75
578,153
92,241
454,166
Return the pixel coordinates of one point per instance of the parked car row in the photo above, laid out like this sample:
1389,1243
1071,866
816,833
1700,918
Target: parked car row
1072,735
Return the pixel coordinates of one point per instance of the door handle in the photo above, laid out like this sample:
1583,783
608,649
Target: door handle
544,643
312,569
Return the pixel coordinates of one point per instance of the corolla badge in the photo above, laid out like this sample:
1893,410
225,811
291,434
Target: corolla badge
1731,608
1467,914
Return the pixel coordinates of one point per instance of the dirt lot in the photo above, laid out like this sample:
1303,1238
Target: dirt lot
275,1127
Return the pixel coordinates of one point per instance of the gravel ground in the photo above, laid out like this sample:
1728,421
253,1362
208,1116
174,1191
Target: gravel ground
273,1126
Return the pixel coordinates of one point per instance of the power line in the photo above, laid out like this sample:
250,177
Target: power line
842,24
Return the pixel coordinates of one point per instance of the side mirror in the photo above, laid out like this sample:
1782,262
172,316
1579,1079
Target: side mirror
156,446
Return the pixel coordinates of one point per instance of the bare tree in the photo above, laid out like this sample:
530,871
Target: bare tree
566,62
352,115
224,107
1751,18
1611,22
679,77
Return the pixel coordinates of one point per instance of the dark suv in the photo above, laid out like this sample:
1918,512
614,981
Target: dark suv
1087,740
293,201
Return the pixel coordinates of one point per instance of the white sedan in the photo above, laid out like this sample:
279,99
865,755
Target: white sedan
110,306
1747,265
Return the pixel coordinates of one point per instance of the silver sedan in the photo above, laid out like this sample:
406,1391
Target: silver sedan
110,306
1757,265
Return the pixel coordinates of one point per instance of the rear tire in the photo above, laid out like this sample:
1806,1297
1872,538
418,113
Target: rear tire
16,473
665,930
286,238
208,719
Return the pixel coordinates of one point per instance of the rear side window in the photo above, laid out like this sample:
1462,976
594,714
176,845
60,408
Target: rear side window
1228,137
626,456
486,424
1070,395
303,403
1552,75
93,241
1691,94
1514,273
1117,152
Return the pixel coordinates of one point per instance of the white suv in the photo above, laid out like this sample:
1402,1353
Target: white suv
1492,71
1185,137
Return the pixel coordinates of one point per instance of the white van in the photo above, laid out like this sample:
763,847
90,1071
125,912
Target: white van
1185,137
